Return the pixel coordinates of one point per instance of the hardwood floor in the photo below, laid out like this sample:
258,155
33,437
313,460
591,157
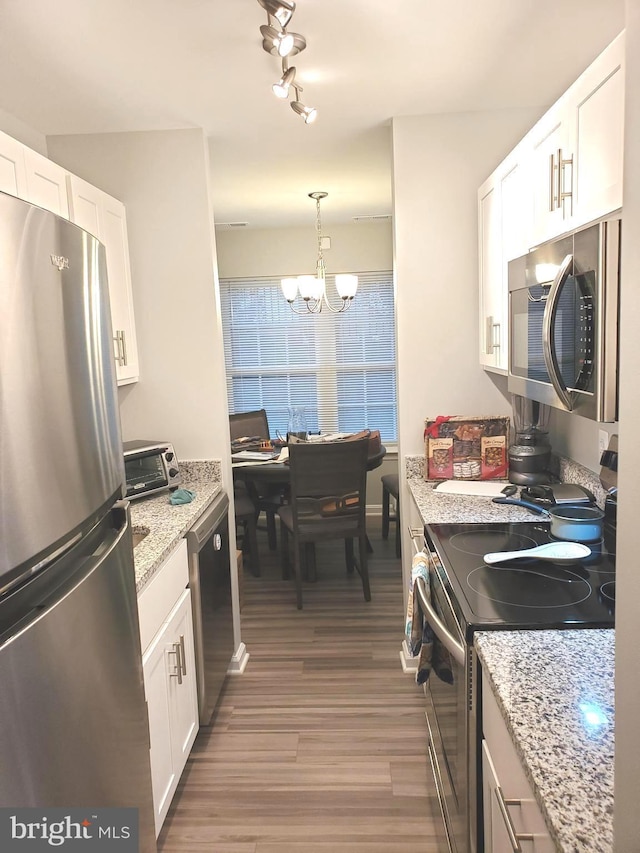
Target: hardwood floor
320,746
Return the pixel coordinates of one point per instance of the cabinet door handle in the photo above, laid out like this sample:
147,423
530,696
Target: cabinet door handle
121,348
183,656
178,670
562,195
551,183
514,837
488,336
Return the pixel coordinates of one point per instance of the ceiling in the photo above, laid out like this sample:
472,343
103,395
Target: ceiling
94,66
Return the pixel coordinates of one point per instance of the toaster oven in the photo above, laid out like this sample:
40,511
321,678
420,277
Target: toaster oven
150,466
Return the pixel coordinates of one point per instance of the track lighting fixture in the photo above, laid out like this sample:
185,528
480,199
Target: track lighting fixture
281,10
309,114
278,42
313,288
281,88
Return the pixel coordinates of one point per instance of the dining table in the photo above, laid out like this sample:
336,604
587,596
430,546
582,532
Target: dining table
269,473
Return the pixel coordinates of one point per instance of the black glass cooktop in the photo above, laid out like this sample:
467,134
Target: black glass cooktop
523,593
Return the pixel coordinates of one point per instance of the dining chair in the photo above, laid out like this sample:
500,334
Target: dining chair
328,501
268,497
391,487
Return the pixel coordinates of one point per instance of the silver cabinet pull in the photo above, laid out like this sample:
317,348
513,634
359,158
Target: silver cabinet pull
562,195
183,656
492,338
176,650
551,183
488,336
514,837
121,347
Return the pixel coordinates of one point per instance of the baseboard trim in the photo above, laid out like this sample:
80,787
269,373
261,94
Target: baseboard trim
409,663
239,661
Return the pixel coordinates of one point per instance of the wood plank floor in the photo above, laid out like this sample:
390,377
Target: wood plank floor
320,745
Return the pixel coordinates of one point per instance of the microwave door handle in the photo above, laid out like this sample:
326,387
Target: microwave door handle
450,643
548,322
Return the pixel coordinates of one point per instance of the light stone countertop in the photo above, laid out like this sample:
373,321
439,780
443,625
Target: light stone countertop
167,523
437,508
555,690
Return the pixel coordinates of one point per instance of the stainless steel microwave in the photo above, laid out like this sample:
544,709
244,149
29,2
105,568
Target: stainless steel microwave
150,466
563,322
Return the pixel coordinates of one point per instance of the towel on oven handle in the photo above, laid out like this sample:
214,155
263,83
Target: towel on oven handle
422,640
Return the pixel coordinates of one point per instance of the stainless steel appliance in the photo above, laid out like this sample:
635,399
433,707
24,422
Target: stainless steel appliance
563,321
150,466
74,726
210,582
466,596
530,454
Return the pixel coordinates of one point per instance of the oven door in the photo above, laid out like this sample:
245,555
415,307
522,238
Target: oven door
451,722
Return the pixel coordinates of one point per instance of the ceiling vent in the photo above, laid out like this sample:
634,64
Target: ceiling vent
373,217
231,224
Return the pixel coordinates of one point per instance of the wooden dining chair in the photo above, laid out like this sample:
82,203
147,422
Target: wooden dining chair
328,501
268,497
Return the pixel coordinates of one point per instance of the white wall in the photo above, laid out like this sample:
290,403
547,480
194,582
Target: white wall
162,179
361,247
439,162
23,132
627,761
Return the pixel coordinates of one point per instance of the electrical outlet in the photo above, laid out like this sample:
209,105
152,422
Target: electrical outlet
603,441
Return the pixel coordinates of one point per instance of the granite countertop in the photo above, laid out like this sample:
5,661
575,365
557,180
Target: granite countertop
555,690
167,524
437,508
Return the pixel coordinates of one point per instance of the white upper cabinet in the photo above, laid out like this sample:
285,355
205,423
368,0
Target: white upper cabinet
13,175
565,173
46,183
105,218
505,214
598,120
551,175
578,149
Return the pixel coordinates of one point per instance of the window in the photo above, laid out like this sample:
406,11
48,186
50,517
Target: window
339,367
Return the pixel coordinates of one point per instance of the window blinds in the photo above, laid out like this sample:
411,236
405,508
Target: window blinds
339,367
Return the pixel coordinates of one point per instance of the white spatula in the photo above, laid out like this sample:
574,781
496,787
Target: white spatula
556,551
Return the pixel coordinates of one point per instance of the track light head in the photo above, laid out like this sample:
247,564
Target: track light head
277,42
309,114
281,10
281,88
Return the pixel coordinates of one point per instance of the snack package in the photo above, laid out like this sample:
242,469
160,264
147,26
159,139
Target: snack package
460,447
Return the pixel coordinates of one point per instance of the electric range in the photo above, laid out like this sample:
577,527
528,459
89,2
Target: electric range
523,593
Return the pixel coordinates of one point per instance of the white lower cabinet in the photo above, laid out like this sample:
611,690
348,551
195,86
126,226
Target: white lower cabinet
512,817
168,664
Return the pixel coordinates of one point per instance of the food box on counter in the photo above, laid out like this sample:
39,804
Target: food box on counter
462,447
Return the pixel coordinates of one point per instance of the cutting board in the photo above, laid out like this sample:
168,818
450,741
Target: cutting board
477,488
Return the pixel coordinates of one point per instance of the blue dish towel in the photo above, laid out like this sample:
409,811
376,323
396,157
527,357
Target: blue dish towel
181,496
422,640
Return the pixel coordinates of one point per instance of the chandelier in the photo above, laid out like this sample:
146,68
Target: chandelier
278,42
313,288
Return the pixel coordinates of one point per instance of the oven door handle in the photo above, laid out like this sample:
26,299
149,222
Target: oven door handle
451,644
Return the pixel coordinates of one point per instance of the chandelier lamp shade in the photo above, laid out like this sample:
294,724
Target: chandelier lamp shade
277,41
312,289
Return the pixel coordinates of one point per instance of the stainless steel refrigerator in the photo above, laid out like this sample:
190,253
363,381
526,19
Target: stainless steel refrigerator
73,722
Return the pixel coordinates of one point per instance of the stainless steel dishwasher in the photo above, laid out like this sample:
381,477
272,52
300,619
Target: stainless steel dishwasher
210,583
